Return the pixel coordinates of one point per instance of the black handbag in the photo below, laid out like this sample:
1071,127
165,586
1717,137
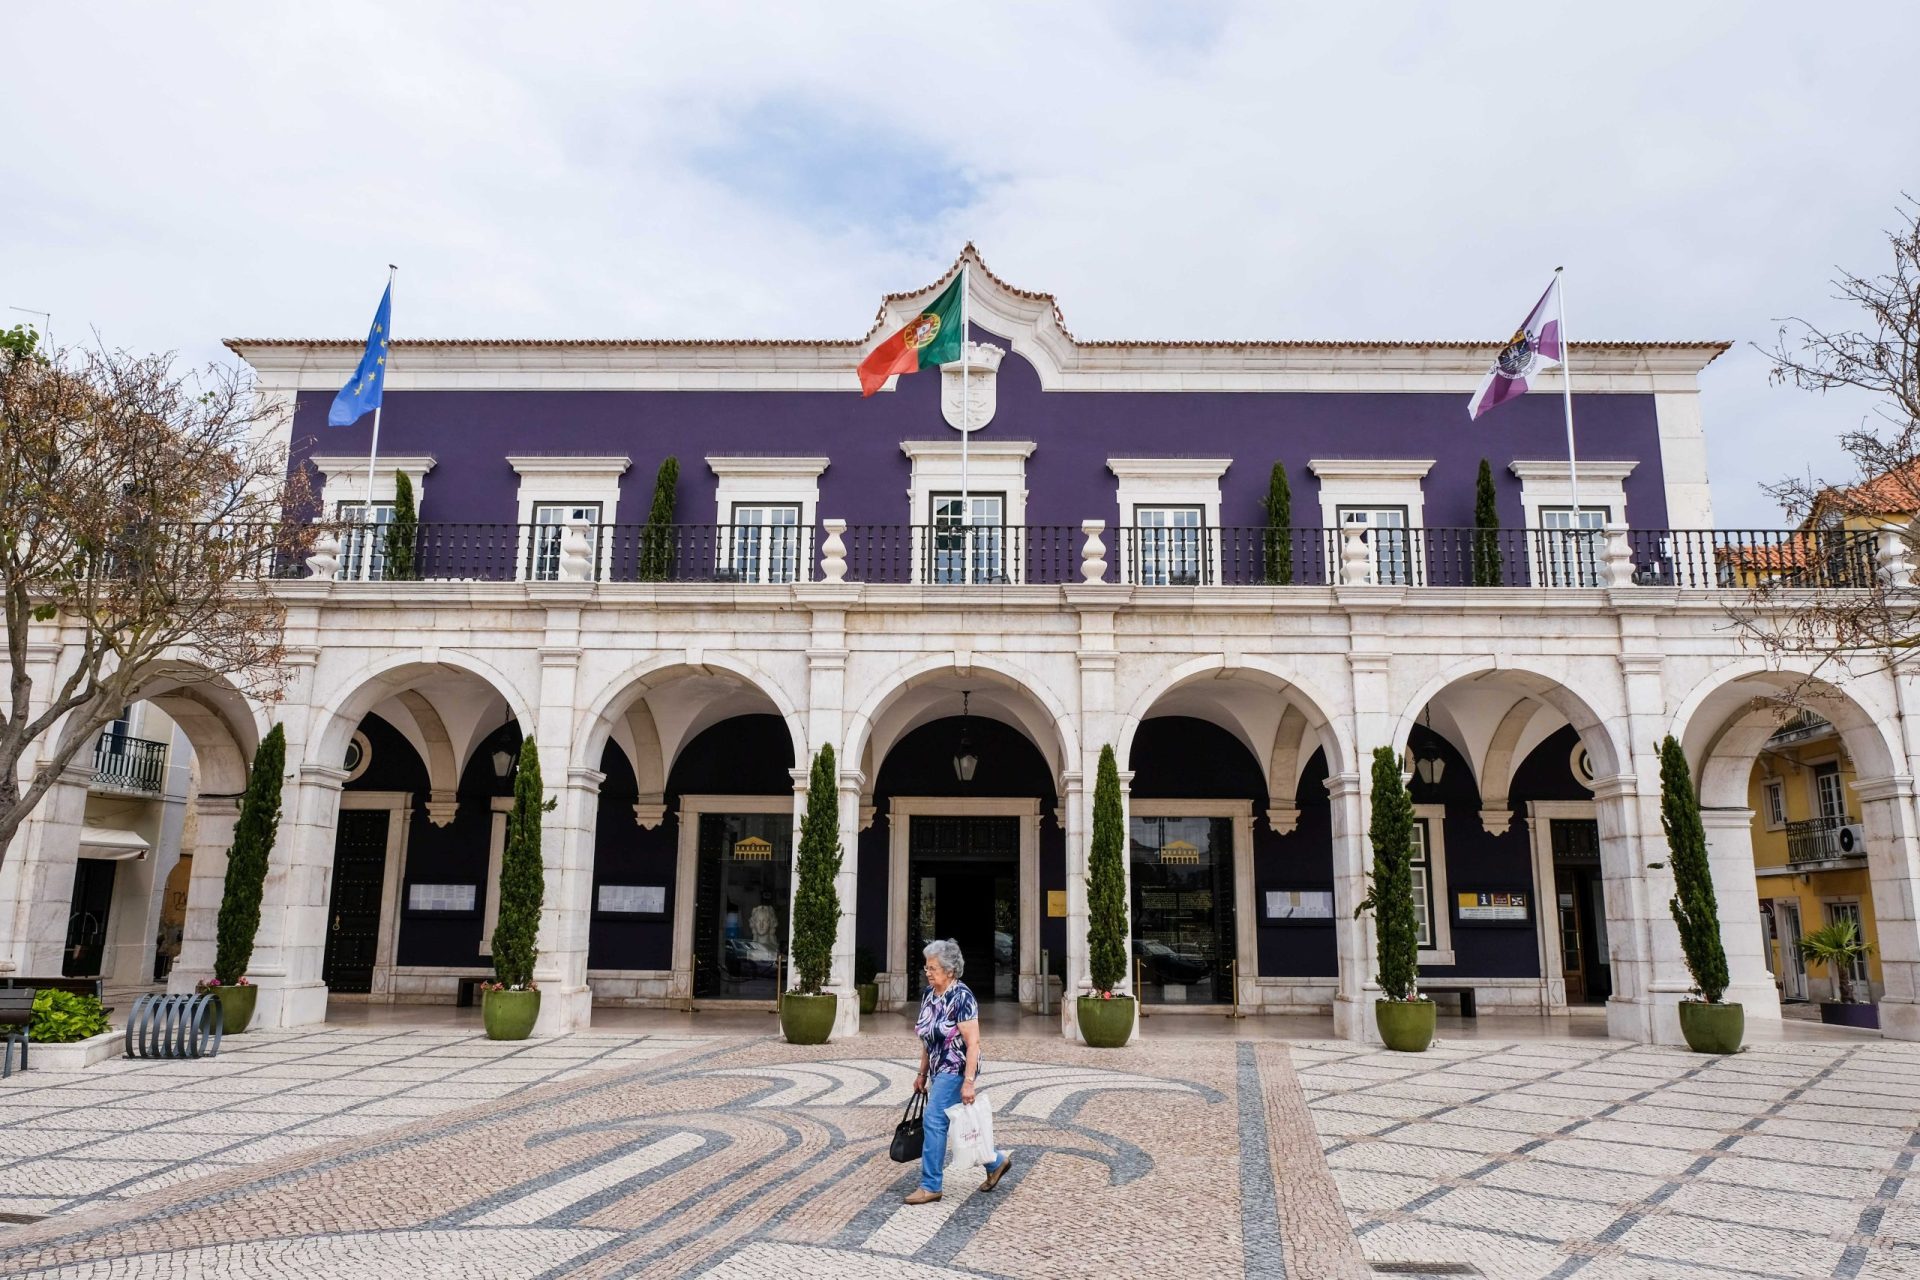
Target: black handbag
910,1135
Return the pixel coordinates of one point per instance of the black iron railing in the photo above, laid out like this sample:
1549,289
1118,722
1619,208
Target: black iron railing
131,764
1820,839
974,555
1753,558
613,553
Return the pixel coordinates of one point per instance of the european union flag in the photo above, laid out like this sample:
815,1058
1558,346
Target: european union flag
362,391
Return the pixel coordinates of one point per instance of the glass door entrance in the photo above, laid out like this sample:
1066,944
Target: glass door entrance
1183,928
741,904
963,882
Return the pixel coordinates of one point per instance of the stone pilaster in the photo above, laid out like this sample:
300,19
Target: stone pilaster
567,830
289,952
214,819
1730,853
36,885
1887,810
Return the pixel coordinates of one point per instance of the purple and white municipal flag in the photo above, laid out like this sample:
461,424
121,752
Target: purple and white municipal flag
1534,347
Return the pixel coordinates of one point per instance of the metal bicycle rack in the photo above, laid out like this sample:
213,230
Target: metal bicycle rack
175,1026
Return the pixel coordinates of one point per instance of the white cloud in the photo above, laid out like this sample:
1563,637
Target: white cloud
180,174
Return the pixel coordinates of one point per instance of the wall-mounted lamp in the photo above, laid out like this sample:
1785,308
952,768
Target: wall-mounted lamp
1428,764
965,761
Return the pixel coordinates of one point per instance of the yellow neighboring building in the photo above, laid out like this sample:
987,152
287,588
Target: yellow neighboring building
1809,854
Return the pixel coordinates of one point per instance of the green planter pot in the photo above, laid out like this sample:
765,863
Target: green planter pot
1106,1024
236,1006
1713,1028
808,1019
1405,1025
869,997
509,1015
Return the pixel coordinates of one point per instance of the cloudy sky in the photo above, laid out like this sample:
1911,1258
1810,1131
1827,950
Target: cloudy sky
176,174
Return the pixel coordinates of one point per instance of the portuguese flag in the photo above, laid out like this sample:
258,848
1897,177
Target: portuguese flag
931,338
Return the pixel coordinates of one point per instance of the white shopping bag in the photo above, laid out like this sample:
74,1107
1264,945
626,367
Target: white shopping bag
970,1133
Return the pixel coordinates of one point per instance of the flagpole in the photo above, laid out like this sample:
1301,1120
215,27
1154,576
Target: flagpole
373,453
1566,389
966,501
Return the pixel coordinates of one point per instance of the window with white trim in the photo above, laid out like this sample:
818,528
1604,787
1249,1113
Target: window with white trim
1423,884
763,543
969,538
1169,547
550,521
1430,884
1773,796
363,542
1828,795
1390,551
1570,553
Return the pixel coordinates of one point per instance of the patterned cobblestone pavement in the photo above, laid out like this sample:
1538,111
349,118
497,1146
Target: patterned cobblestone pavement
427,1153
1606,1161
617,1156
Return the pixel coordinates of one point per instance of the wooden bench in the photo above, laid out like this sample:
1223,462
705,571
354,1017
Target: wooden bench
16,1014
94,987
1465,994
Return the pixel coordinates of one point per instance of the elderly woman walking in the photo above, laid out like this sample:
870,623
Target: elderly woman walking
949,1027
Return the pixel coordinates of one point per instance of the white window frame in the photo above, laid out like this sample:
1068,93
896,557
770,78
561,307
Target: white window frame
993,466
1162,546
1549,547
553,481
1835,909
762,542
343,487
1434,818
1839,788
1164,484
1547,485
1773,800
989,541
1372,482
759,480
544,549
1409,539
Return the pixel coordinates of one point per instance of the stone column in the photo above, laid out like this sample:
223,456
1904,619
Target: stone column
1887,810
1353,938
1649,969
1076,817
566,913
214,819
1730,853
826,723
846,1016
36,884
1099,726
290,951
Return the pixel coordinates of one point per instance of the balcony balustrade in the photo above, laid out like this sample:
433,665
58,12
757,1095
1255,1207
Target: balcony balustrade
130,764
1139,556
1819,840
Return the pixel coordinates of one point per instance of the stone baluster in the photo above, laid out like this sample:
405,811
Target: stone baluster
1356,566
576,553
833,552
1093,554
323,561
1616,565
1893,558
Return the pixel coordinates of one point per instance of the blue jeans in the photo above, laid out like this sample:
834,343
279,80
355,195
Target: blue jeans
943,1091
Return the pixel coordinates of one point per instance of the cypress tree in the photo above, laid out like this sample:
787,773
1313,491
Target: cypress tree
656,541
1279,540
1695,910
1486,531
247,860
1396,927
404,532
1107,881
523,881
816,900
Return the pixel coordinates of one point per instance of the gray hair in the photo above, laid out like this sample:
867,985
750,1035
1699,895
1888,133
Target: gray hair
945,952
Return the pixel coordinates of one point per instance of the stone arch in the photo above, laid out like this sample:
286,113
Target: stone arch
621,708
222,724
1610,757
1052,731
336,719
1307,708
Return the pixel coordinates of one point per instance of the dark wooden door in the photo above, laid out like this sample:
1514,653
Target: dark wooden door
87,925
353,911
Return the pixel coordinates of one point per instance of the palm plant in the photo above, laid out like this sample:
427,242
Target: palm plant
1838,945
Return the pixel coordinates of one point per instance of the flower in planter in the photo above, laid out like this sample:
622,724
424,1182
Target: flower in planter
208,984
501,986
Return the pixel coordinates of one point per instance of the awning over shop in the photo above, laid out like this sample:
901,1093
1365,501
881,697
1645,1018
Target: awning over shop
111,843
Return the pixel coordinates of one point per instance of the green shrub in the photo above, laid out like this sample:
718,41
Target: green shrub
1396,927
1278,551
403,533
1695,910
816,901
1107,882
1486,535
656,540
61,1017
253,836
523,881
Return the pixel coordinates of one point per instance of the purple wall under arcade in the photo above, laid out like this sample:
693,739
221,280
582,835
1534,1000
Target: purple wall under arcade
471,433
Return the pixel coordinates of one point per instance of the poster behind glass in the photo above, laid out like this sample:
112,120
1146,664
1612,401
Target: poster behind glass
746,860
1183,909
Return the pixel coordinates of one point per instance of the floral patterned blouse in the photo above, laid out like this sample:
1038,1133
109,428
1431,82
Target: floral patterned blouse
939,1028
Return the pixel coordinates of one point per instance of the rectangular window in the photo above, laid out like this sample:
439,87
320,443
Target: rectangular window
1773,795
1423,882
363,541
763,543
1389,544
1169,550
1569,554
1838,911
550,522
1828,794
968,545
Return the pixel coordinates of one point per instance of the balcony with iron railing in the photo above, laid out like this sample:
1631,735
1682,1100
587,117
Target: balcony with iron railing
951,555
136,765
1822,840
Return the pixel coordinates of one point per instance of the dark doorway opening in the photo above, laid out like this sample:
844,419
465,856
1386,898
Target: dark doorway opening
1580,911
87,925
353,913
963,882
